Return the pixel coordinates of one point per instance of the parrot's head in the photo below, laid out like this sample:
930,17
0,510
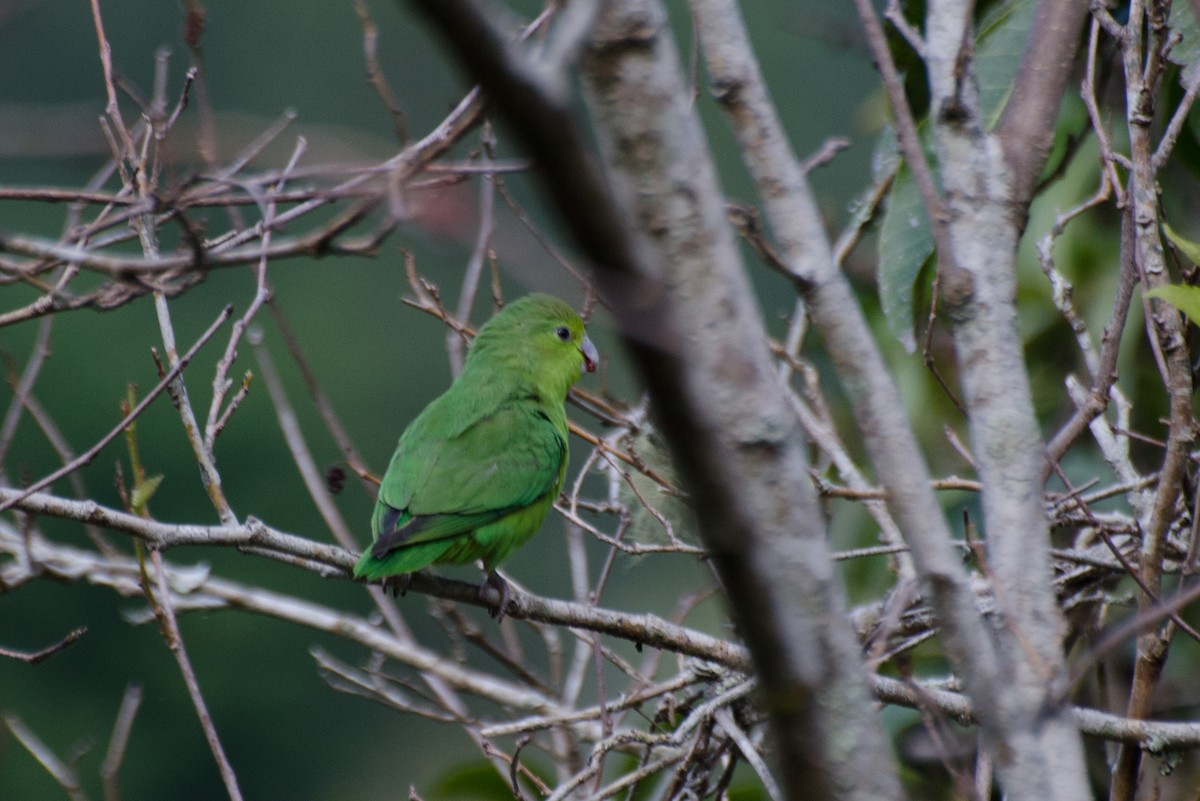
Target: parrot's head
540,335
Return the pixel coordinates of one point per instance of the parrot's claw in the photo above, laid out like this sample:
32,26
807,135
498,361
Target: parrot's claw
500,586
398,585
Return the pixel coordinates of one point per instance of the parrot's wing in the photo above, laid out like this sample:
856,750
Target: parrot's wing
438,488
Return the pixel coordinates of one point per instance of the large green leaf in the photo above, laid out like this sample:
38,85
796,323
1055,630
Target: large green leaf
905,242
905,237
1185,246
1184,298
885,161
1003,34
1186,51
472,781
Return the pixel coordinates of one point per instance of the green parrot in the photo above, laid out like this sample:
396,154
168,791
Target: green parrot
476,472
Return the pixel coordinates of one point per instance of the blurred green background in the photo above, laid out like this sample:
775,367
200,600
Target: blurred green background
287,734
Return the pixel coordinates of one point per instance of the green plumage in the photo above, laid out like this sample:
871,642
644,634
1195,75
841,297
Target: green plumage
476,472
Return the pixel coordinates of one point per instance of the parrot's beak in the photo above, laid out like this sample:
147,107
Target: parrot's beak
591,356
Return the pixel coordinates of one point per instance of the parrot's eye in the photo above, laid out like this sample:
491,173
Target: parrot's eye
563,333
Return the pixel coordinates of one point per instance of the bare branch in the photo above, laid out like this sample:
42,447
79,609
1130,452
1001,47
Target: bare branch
647,630
1165,329
122,727
906,133
1026,128
620,697
748,545
33,657
375,76
165,611
60,771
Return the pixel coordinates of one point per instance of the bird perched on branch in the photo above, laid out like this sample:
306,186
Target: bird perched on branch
476,472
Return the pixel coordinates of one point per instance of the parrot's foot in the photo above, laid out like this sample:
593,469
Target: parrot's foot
397,585
499,585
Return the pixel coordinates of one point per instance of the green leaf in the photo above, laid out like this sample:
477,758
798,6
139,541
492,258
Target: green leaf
474,781
905,242
1003,33
477,780
1186,52
885,161
1184,298
1185,246
143,492
905,238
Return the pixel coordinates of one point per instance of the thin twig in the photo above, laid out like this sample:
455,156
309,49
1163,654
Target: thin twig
301,454
375,75
166,616
906,127
33,657
319,399
1166,142
895,15
455,344
117,743
87,456
59,770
